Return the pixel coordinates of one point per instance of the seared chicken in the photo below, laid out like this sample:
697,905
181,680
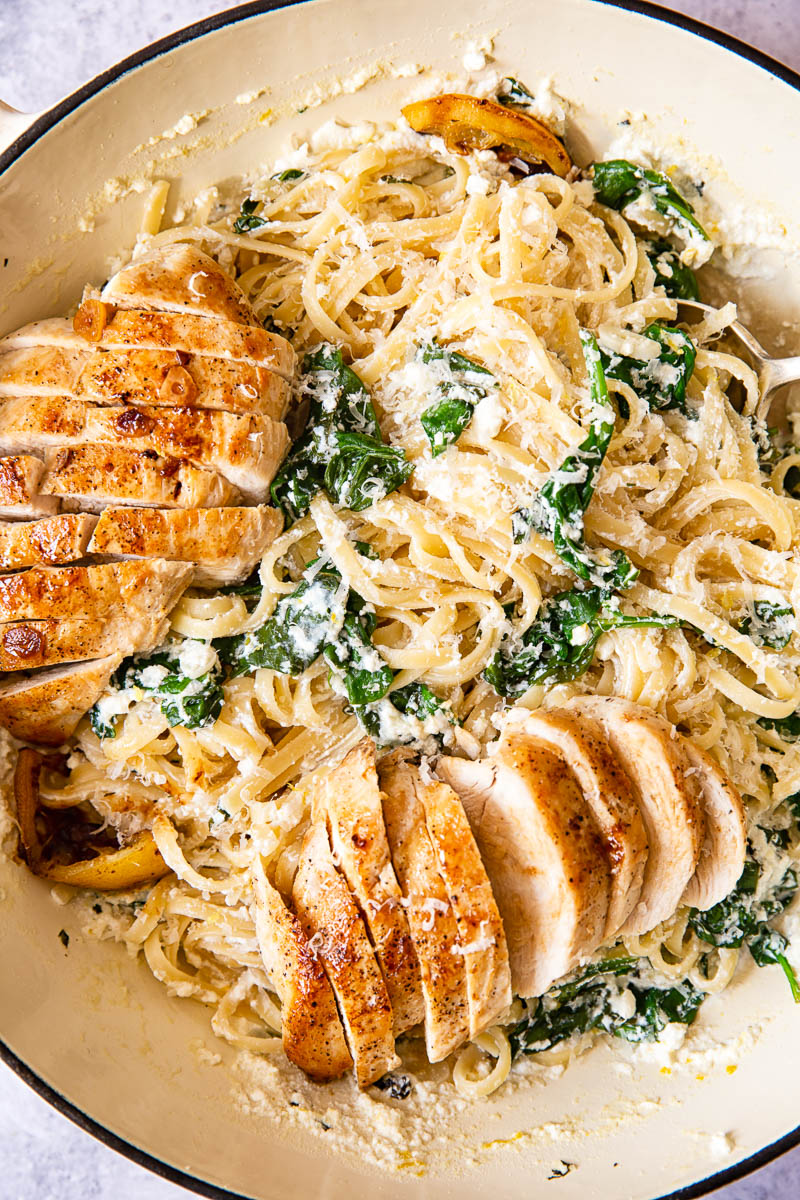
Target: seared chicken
162,378
332,923
312,1032
581,744
544,855
654,759
40,371
20,479
723,851
32,424
349,798
60,539
179,278
225,544
46,707
482,940
431,920
91,592
90,477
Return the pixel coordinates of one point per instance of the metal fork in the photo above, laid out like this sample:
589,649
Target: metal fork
773,373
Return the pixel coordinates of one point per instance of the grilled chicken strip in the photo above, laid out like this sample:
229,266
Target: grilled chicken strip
349,798
33,424
179,278
60,539
333,924
544,855
90,477
45,708
40,371
480,930
138,624
225,544
162,378
313,1038
655,760
583,747
134,329
91,592
723,851
431,920
20,478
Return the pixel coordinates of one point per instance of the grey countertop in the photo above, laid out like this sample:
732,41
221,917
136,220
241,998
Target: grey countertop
50,47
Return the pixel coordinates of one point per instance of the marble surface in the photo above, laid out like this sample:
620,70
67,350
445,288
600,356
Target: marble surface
50,47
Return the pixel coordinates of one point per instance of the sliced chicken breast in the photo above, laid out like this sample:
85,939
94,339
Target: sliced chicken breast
313,1038
581,744
45,708
725,844
245,450
431,920
349,798
60,539
20,499
162,378
179,278
91,477
481,935
332,923
225,544
34,424
92,591
543,853
654,758
40,371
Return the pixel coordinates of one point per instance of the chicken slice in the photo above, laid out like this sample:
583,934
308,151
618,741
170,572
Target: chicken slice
225,544
91,591
654,759
20,478
333,924
133,329
580,742
60,539
480,929
431,920
40,371
349,798
313,1038
724,847
179,278
245,450
46,707
90,477
32,424
138,624
159,378
543,853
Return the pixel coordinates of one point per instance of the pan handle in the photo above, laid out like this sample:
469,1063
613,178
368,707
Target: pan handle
12,124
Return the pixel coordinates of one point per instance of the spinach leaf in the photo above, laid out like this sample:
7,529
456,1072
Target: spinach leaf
341,451
677,280
560,644
355,663
416,702
416,699
588,1003
618,183
460,384
661,381
513,94
100,727
742,918
787,728
557,510
289,174
247,219
187,700
770,624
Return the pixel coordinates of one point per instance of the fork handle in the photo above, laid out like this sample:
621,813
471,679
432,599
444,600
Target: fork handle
778,371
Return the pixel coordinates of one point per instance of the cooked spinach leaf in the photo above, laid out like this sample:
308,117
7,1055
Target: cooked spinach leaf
460,383
770,624
743,919
592,1002
100,727
416,700
289,174
557,510
187,699
356,666
661,382
341,451
247,219
677,280
513,94
787,728
618,183
560,644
